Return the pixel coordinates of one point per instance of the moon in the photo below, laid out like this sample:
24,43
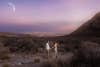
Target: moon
12,6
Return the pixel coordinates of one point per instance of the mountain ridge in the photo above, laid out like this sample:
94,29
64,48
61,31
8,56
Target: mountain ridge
89,28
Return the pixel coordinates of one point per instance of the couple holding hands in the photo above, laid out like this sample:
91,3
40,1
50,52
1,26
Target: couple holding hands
55,47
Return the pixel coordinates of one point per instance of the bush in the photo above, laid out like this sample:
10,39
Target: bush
88,55
5,57
4,53
36,60
48,64
6,65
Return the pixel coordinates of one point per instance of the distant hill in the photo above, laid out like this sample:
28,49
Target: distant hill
90,29
11,34
43,34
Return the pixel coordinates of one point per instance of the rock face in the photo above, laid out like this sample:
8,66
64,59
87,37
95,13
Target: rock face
90,28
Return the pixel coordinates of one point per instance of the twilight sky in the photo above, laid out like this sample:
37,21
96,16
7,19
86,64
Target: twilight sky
56,16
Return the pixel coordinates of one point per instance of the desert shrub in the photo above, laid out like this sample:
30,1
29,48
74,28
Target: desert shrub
48,64
55,63
4,57
24,44
65,60
61,63
71,45
90,51
88,55
36,60
4,53
6,65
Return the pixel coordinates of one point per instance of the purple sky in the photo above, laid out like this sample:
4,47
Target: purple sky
57,16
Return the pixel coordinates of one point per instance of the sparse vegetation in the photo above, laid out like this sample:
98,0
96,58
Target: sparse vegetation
36,60
4,53
6,65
